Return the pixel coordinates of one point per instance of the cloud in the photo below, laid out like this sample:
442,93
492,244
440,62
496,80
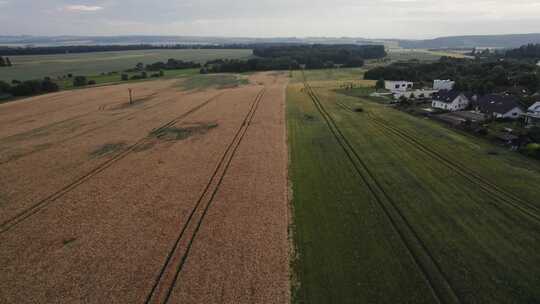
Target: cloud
357,18
82,8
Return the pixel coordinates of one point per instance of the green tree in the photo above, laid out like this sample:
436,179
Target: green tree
2,61
80,81
47,85
403,100
4,87
380,84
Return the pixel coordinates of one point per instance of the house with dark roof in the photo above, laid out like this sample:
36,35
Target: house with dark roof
532,117
535,108
500,106
450,100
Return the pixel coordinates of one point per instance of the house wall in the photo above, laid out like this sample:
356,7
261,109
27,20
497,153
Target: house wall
398,86
460,103
443,85
532,121
416,93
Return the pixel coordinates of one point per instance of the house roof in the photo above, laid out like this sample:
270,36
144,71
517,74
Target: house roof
496,103
446,96
535,107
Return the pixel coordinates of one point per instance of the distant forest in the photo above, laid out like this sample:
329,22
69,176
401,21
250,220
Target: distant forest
319,54
285,57
478,76
529,51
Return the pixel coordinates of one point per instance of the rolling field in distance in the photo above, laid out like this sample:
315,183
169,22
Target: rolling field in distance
388,206
39,66
398,54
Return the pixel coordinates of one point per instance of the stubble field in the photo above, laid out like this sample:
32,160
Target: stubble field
178,197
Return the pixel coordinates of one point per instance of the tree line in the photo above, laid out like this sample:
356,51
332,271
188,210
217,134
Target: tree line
320,56
481,76
75,49
5,62
529,51
29,87
172,64
255,64
287,57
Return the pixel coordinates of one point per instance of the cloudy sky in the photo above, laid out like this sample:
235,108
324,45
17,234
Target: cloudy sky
270,18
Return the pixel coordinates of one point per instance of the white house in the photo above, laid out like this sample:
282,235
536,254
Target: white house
500,106
443,84
398,86
414,94
450,101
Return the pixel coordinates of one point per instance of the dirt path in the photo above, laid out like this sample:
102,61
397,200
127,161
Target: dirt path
106,240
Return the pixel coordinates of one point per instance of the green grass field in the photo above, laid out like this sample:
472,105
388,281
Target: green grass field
35,67
218,81
391,208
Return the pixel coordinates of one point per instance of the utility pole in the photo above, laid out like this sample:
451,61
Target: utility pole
130,96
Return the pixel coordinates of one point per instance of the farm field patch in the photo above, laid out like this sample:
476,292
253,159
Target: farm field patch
392,208
88,64
104,201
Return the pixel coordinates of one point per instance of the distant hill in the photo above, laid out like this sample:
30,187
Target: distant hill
44,41
454,42
491,41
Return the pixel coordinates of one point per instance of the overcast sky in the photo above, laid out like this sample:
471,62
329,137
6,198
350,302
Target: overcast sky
270,18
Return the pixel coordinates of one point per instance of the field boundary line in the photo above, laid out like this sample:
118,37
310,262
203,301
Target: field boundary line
39,206
169,274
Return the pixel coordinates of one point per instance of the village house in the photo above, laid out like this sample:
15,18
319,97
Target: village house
450,101
447,84
398,86
532,117
535,108
500,106
414,94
